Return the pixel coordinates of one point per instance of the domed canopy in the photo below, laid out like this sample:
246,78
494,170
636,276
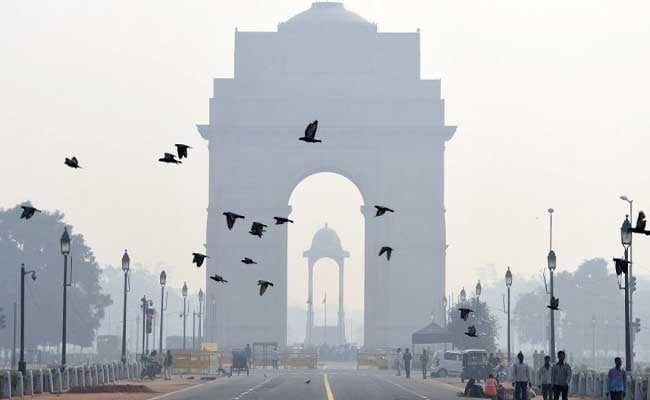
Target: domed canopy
326,243
330,13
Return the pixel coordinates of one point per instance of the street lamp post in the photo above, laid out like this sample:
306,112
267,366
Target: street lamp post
593,344
446,312
163,282
65,250
126,261
463,296
478,300
22,365
633,289
508,284
145,302
184,292
552,263
626,241
201,298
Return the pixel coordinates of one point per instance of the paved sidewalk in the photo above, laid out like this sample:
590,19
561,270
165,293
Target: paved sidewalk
157,387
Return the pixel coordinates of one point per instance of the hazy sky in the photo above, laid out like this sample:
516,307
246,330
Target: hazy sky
551,100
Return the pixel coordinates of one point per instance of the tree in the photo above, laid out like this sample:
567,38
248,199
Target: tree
486,327
36,243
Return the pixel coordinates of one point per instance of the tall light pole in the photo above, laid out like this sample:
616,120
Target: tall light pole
163,281
508,284
593,344
626,241
126,261
65,250
445,311
552,263
633,288
201,298
462,297
22,365
478,299
184,292
145,302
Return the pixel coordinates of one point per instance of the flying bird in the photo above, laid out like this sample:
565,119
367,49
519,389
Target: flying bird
388,250
169,158
381,210
263,286
72,162
28,212
181,150
257,229
310,133
471,331
555,303
198,259
231,218
621,266
218,278
640,222
248,261
308,381
464,313
281,220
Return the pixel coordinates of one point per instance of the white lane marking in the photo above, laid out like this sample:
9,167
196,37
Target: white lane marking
240,395
162,396
406,389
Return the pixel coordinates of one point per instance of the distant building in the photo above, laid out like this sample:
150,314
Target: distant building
382,127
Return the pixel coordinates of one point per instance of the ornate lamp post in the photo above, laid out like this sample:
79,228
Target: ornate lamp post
626,241
632,287
508,284
126,261
463,296
22,365
552,260
163,282
65,250
478,298
184,292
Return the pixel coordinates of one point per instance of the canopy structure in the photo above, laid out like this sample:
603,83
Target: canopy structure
431,334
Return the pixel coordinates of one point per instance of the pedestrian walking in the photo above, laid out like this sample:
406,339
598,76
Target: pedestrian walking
490,387
561,377
616,381
544,379
424,360
275,356
407,357
167,366
399,361
520,378
249,355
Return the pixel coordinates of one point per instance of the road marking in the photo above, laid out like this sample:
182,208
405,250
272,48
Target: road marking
240,395
407,389
162,396
330,396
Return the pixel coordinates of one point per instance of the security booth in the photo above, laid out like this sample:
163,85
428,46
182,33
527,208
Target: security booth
262,353
432,337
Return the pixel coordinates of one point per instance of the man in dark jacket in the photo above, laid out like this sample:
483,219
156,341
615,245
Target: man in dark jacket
561,377
407,357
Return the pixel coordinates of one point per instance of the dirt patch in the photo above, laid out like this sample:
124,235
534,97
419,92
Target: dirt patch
113,389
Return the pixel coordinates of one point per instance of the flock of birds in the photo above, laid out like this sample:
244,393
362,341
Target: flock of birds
257,228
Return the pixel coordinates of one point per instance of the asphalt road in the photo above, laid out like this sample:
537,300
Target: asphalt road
327,383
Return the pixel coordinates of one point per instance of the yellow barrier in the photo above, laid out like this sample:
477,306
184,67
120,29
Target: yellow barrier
299,360
372,360
194,362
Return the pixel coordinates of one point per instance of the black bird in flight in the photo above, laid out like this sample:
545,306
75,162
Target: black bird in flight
471,331
640,222
257,229
263,286
248,261
198,259
218,278
231,218
621,266
388,250
381,210
72,162
464,313
28,212
169,158
181,150
308,381
555,303
310,133
281,220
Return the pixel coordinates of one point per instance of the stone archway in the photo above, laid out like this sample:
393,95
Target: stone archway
382,127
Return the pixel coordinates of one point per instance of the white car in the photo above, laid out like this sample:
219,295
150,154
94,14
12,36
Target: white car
451,364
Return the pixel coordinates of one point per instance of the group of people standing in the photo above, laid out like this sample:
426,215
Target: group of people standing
403,361
554,380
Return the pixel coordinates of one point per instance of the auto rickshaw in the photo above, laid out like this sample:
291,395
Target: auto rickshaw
475,365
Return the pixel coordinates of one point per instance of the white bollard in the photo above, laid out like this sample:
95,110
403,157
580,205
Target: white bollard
74,378
638,389
93,375
107,375
58,381
5,385
29,383
65,379
49,382
38,381
20,389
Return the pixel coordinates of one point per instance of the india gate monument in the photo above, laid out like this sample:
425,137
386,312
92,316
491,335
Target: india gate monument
382,127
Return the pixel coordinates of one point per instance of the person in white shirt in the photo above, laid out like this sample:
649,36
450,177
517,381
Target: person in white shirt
520,378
